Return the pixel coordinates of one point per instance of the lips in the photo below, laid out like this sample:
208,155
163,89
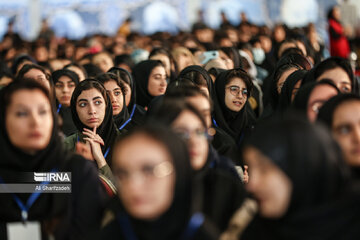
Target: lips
92,120
162,90
237,103
65,98
35,134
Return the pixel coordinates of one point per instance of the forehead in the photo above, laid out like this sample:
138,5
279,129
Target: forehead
138,150
24,95
323,91
187,119
158,70
336,74
90,93
65,79
199,101
109,85
348,111
236,81
35,72
161,57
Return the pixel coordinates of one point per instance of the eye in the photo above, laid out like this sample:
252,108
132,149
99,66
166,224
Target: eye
82,104
148,170
233,88
58,85
21,114
71,85
344,130
43,112
98,102
245,92
345,89
117,93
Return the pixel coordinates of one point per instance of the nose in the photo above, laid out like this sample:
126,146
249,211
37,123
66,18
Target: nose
163,82
35,119
112,97
92,109
65,88
134,183
356,135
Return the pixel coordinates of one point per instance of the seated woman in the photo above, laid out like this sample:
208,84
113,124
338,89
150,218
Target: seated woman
300,182
65,82
155,185
232,114
151,81
92,115
222,191
30,142
117,91
36,72
341,114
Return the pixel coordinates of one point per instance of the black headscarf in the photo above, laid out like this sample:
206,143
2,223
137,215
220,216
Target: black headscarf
287,89
141,75
107,129
172,223
68,126
321,191
301,99
234,123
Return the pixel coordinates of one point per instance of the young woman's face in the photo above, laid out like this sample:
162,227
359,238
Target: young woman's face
64,88
190,127
91,107
145,176
319,95
29,120
103,61
165,60
346,130
39,76
157,81
202,104
78,71
270,186
116,96
339,77
236,94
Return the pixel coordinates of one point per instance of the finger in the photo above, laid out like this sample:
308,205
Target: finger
99,141
89,134
246,167
94,131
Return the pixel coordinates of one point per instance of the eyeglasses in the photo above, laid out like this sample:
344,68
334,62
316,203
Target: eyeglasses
186,134
235,90
146,172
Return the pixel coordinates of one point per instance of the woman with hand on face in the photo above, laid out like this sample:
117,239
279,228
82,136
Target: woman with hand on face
116,91
30,142
92,115
65,82
155,185
151,81
300,182
233,88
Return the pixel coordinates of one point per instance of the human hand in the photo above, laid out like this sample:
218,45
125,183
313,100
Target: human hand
95,140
